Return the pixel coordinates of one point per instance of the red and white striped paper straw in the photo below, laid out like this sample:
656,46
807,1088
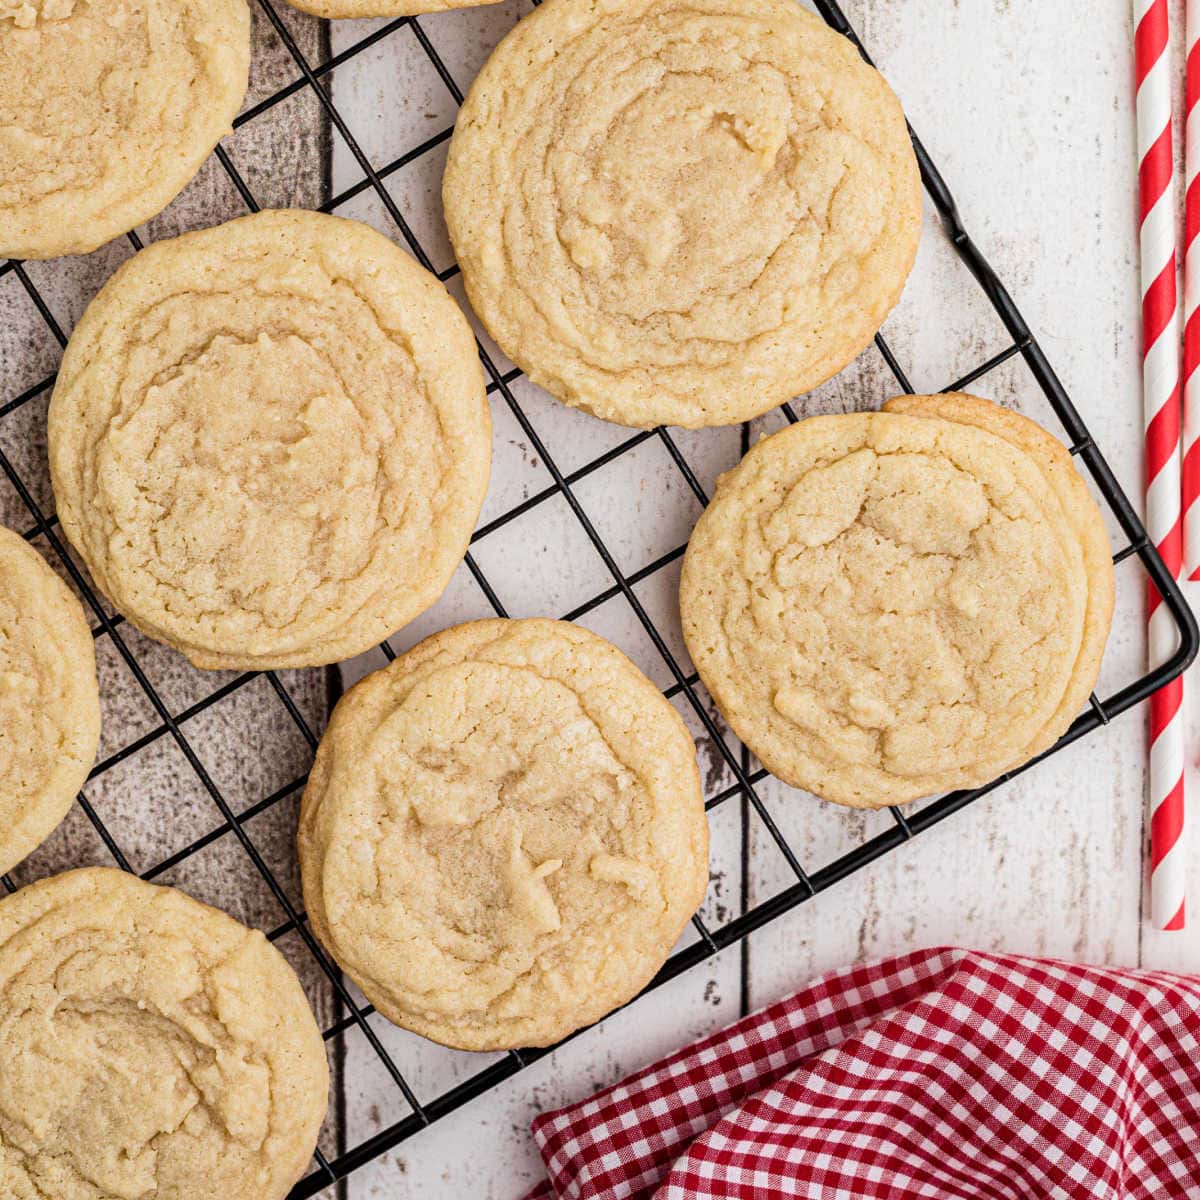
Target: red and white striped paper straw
1160,385
1191,301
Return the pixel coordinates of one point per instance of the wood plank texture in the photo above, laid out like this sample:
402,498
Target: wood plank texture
1028,110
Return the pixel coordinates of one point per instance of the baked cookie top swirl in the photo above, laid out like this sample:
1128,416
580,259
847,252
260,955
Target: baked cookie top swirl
149,1046
49,699
503,834
270,440
888,606
681,211
107,109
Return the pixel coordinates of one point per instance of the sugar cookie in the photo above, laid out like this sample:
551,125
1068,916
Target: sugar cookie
107,109
503,834
270,440
149,1046
49,699
681,212
888,606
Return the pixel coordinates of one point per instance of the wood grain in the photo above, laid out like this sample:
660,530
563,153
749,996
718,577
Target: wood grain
1028,111
1038,145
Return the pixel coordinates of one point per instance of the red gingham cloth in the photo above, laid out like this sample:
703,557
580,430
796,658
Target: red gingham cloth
939,1075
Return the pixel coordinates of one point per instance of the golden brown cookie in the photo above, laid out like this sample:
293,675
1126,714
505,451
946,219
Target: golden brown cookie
503,834
49,699
681,212
270,440
381,8
149,1046
1081,511
107,109
888,606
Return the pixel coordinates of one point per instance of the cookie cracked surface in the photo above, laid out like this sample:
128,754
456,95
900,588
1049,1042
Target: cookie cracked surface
49,699
503,834
270,442
681,211
151,1048
1083,516
107,109
890,606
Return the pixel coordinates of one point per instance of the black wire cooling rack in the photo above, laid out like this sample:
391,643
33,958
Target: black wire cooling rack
807,882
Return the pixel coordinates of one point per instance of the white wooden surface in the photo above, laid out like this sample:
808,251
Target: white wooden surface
1026,105
1027,108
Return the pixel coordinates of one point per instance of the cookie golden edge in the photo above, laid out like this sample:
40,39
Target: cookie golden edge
643,413
1083,515
81,710
158,190
475,469
1085,521
336,10
308,1084
340,737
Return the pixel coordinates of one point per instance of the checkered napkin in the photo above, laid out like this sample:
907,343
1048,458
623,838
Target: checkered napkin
943,1074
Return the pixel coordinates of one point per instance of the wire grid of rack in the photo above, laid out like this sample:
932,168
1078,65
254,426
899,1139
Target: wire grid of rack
807,882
